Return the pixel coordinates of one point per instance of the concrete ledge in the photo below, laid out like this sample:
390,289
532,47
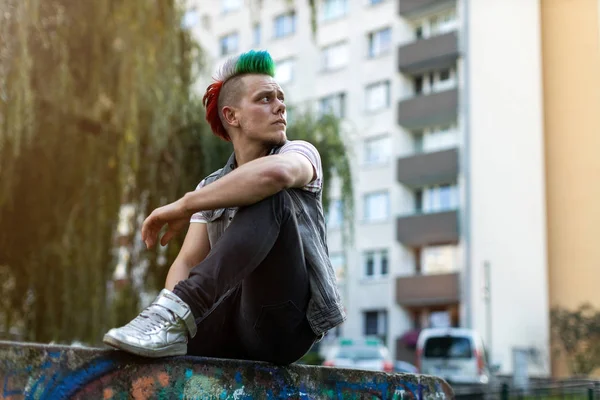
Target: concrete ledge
35,371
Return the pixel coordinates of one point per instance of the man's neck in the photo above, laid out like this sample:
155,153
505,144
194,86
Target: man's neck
247,153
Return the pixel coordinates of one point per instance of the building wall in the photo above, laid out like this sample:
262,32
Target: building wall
506,170
571,65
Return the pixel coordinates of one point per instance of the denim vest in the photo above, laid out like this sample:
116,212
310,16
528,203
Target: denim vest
325,310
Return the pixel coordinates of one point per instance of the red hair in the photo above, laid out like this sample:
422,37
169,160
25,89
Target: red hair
211,102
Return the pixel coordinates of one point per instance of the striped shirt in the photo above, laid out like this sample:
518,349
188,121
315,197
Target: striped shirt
293,146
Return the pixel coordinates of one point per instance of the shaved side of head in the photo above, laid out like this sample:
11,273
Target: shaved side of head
231,93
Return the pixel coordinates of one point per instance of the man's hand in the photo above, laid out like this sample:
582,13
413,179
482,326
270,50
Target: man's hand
174,214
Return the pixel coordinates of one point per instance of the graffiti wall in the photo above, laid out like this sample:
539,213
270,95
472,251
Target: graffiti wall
30,371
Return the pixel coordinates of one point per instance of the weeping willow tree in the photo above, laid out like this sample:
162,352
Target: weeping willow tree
94,105
96,112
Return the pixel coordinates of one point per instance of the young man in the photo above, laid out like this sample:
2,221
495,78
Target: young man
253,279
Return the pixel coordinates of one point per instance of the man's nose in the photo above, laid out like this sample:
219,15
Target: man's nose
280,107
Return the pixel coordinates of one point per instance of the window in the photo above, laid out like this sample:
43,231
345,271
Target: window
377,150
418,142
333,104
438,198
376,264
377,207
448,347
334,56
256,35
439,259
419,32
435,81
335,216
419,201
284,71
446,197
445,79
230,5
378,96
332,9
229,44
375,324
435,25
418,84
439,138
338,262
444,74
285,25
444,23
380,42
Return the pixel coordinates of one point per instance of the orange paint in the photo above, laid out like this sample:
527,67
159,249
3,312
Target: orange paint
142,388
163,378
108,393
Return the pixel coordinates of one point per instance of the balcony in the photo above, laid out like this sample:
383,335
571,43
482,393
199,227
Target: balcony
430,109
427,54
412,8
428,229
428,290
425,169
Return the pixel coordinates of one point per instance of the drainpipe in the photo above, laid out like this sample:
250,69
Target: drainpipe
466,295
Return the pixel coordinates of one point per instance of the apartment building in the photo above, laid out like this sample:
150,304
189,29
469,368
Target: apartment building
442,108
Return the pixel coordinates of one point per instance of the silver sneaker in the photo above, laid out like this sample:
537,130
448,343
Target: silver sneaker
160,330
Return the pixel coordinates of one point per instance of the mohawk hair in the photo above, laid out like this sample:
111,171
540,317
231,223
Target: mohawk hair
252,62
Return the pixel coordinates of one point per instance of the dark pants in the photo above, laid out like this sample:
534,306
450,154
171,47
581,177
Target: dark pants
250,294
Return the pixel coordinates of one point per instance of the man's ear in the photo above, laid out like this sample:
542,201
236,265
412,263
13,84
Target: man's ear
230,116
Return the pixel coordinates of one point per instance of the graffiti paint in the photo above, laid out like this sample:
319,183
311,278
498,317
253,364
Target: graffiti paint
29,371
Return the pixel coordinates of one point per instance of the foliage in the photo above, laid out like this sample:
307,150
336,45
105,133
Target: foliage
93,98
577,333
325,133
311,358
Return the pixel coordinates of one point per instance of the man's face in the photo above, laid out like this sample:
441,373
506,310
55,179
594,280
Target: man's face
261,111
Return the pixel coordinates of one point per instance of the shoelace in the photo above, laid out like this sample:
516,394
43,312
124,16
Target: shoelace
151,318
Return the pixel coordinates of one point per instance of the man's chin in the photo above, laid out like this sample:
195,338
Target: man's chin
279,140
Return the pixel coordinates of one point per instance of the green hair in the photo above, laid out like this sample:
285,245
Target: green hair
251,62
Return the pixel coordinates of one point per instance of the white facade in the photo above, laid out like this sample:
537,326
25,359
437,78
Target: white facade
506,170
354,53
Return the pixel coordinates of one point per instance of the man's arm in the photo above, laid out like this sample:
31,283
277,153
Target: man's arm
247,184
252,182
195,249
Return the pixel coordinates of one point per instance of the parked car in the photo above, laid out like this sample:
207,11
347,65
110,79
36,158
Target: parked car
365,354
457,355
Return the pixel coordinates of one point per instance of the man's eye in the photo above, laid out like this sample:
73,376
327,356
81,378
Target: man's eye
266,98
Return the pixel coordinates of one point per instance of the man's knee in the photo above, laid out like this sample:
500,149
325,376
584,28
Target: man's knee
280,205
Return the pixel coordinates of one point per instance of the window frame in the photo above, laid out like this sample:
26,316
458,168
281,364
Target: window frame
227,36
374,86
365,206
288,17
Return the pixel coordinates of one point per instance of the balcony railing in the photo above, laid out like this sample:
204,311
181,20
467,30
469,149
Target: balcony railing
428,290
436,52
436,108
428,168
419,230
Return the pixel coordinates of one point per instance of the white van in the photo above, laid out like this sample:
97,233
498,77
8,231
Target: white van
457,355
